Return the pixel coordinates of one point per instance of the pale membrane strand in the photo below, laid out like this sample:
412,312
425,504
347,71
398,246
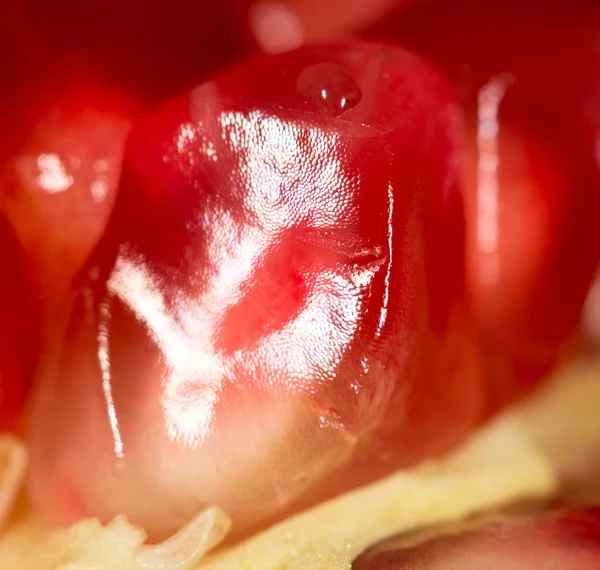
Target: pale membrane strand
189,545
119,545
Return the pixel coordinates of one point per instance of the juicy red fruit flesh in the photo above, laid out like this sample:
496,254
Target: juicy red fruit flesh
278,299
558,541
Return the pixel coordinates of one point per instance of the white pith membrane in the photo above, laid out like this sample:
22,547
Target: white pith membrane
526,453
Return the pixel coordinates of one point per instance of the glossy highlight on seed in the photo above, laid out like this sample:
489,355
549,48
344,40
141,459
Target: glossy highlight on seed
279,293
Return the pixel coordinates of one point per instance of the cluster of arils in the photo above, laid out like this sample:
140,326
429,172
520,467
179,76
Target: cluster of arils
294,278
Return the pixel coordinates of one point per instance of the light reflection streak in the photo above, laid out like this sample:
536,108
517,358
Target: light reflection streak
490,98
190,392
279,192
99,190
53,177
99,186
269,166
104,362
390,236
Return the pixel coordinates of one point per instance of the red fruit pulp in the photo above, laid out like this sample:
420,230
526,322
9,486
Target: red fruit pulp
551,542
528,81
277,310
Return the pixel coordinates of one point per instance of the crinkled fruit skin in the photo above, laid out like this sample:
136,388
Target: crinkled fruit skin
276,312
552,542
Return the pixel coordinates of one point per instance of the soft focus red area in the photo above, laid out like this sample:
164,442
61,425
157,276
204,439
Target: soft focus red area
279,299
19,329
58,189
58,117
555,542
143,50
528,284
282,25
520,208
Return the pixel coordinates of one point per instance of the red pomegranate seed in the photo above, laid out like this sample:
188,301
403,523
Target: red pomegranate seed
539,93
58,189
552,542
276,312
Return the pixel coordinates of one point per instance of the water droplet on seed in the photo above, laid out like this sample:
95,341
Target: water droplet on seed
330,88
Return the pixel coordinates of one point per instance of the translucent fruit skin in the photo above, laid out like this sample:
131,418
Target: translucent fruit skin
551,542
276,313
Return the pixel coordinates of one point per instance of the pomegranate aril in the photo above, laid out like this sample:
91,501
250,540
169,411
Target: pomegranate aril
528,216
279,296
59,188
558,541
547,124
